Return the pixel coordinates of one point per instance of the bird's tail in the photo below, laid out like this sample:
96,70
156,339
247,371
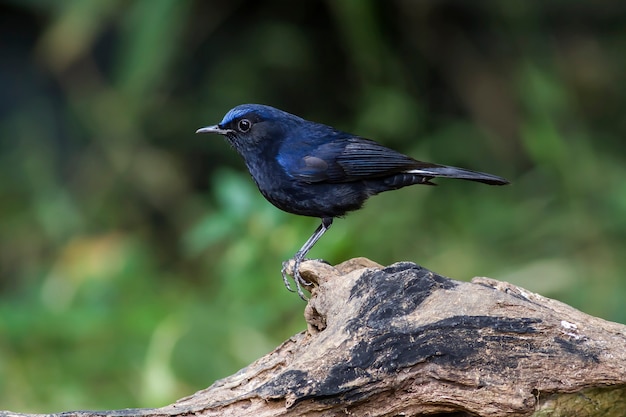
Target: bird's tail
458,173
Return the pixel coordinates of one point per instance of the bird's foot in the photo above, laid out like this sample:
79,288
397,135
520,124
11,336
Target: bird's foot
297,278
285,274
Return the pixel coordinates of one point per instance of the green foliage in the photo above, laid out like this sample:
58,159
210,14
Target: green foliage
138,262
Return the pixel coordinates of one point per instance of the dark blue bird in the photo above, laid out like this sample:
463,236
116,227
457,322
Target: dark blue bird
315,170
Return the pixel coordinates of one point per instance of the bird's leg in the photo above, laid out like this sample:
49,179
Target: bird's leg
300,256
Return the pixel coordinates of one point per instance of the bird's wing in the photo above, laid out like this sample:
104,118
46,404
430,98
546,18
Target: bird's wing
349,159
364,158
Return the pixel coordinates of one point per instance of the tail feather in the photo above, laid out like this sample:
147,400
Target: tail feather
458,173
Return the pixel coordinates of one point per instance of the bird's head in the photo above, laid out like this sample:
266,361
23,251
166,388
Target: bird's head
248,126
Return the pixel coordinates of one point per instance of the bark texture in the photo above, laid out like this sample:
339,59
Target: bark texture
402,340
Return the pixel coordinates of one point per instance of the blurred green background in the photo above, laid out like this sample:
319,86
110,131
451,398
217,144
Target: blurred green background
138,262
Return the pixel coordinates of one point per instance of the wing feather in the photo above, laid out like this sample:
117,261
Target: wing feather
347,159
363,158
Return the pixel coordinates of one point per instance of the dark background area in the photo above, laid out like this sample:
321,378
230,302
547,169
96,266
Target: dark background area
138,262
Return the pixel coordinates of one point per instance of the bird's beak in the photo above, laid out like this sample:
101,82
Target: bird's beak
213,129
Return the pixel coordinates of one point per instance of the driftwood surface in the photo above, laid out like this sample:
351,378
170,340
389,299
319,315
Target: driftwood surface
404,341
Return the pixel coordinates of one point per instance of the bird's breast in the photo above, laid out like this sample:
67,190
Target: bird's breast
295,194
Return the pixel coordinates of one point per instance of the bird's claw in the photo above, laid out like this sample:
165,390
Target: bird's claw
285,275
297,278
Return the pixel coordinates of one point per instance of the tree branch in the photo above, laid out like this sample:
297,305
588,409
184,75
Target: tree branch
403,340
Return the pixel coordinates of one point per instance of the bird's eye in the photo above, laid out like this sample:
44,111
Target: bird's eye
244,125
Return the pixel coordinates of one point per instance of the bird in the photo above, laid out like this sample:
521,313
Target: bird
312,169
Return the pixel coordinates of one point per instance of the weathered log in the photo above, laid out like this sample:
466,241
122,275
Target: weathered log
403,340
